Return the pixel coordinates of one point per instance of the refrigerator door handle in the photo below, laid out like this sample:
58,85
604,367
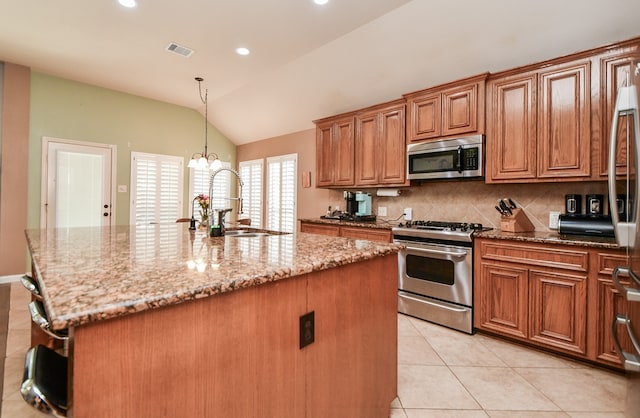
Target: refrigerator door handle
626,105
630,361
629,293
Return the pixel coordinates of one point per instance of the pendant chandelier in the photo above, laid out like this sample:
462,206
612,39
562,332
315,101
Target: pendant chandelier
204,159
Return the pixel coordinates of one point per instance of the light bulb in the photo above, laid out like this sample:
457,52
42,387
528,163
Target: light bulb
216,165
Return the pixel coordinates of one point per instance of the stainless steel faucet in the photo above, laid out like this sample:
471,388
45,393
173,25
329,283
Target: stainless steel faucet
223,212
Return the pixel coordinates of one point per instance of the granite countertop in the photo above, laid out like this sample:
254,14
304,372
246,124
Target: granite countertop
377,224
92,274
551,237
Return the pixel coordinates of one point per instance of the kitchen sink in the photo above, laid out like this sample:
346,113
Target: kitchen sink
235,234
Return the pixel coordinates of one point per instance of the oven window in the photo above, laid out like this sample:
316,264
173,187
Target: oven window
430,269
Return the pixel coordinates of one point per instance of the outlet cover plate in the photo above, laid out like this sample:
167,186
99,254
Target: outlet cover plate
553,219
408,214
307,329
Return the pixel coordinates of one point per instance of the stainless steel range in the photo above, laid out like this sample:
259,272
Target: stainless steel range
436,272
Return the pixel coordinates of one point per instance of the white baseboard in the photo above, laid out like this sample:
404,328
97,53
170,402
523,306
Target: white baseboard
10,279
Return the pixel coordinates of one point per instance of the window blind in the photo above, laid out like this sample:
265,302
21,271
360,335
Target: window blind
251,174
281,192
156,188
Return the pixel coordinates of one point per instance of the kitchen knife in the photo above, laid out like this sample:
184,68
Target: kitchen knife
503,213
512,204
504,207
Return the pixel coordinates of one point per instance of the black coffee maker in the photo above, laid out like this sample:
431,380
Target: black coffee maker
352,205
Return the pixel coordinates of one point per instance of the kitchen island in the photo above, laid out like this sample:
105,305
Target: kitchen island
166,322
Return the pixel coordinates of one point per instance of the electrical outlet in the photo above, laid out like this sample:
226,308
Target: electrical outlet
553,219
407,214
382,211
307,329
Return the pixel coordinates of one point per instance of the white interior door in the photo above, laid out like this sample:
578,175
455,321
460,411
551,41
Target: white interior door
78,184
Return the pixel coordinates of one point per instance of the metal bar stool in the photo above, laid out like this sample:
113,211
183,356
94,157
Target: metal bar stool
31,285
44,382
40,318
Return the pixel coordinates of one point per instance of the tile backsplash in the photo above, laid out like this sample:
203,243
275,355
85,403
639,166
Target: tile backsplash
474,201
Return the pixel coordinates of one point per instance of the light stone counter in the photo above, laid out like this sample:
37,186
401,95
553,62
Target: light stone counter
551,237
92,274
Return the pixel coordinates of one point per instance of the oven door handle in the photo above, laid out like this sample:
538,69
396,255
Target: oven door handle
428,302
446,254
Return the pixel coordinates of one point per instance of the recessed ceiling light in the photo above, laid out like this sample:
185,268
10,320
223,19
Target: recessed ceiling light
242,51
321,1
127,3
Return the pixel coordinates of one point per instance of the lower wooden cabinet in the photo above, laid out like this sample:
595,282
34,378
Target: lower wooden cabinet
558,297
372,234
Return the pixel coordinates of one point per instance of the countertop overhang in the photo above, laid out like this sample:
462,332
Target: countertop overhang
92,274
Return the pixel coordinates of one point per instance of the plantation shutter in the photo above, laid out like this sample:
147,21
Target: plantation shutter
281,192
251,174
156,188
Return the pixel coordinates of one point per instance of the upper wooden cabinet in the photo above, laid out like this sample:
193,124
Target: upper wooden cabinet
380,153
363,148
335,144
538,124
614,67
564,121
452,109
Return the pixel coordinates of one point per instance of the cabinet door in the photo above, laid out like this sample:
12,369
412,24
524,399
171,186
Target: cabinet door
367,148
460,110
564,121
324,154
558,309
503,300
607,301
511,128
425,117
614,72
344,146
392,146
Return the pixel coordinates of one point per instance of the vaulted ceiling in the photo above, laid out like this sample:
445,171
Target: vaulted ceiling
307,61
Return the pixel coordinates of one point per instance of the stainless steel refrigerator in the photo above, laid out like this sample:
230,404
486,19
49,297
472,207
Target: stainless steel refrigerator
624,204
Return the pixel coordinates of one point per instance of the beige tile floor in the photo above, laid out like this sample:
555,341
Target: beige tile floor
441,373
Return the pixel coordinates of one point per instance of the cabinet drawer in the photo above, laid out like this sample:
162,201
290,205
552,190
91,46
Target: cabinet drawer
607,262
330,230
366,233
544,256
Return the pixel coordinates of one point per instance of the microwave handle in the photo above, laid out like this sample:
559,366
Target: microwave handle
460,167
626,104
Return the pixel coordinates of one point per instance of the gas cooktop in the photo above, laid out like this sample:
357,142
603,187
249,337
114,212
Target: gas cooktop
438,230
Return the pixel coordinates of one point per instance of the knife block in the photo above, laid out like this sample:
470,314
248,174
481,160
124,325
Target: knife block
516,222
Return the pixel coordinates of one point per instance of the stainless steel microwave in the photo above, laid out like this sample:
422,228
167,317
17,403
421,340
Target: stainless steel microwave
446,159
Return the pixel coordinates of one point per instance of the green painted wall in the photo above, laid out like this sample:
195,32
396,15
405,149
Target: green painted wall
71,110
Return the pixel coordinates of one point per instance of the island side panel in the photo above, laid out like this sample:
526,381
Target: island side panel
352,365
230,355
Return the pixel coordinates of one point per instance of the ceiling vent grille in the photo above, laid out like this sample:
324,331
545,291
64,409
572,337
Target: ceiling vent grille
179,49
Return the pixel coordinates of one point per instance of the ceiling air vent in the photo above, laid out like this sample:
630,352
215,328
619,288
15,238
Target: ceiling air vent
179,49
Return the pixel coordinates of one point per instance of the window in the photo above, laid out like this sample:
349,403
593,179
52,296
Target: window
156,188
199,184
251,174
281,192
